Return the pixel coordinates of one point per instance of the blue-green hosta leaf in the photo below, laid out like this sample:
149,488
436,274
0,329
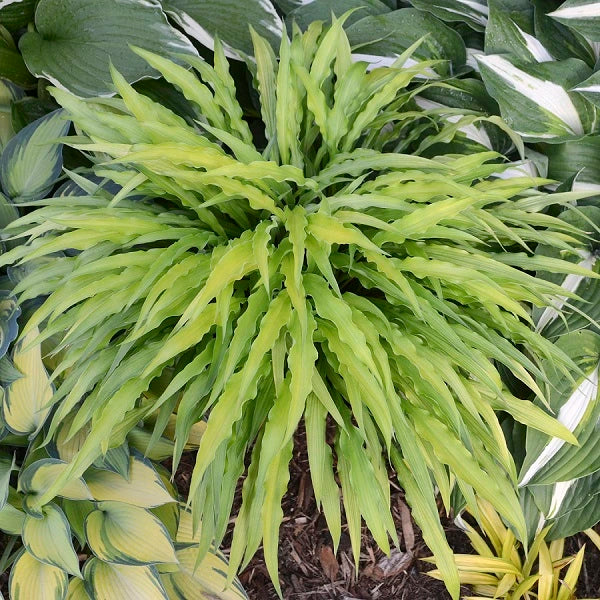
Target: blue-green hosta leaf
9,313
581,15
472,12
229,20
510,31
25,404
377,38
104,581
32,160
48,538
320,10
8,213
578,157
106,29
8,371
124,534
30,578
534,98
116,460
577,406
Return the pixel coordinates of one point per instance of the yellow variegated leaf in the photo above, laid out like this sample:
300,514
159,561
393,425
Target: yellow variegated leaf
48,538
11,519
122,582
77,590
144,487
208,580
29,579
124,534
185,531
39,476
26,400
67,447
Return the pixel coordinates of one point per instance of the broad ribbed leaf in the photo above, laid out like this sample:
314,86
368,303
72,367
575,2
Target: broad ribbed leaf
106,28
381,39
128,535
141,487
581,15
48,538
227,19
32,161
105,581
534,98
30,578
26,400
472,12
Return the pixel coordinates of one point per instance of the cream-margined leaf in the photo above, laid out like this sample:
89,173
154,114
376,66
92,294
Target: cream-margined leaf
319,265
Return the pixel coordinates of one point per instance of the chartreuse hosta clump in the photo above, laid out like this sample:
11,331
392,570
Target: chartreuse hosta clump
306,273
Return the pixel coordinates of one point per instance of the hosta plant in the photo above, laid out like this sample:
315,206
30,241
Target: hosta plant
502,568
304,270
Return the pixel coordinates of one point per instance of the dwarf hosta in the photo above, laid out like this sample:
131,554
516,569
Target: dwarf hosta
311,275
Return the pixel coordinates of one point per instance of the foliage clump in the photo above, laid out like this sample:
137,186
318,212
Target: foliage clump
322,269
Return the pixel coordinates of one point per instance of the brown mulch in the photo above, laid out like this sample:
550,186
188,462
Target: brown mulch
309,570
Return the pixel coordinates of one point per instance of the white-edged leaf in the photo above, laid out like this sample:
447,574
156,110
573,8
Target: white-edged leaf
534,99
582,15
472,12
228,20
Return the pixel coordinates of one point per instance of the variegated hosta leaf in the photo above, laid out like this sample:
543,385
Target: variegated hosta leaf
568,506
11,519
26,402
38,477
193,581
327,271
534,98
577,406
582,312
473,12
306,12
203,21
30,578
105,581
143,486
9,313
124,534
381,39
590,88
510,31
32,160
77,590
580,158
581,15
48,538
7,466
